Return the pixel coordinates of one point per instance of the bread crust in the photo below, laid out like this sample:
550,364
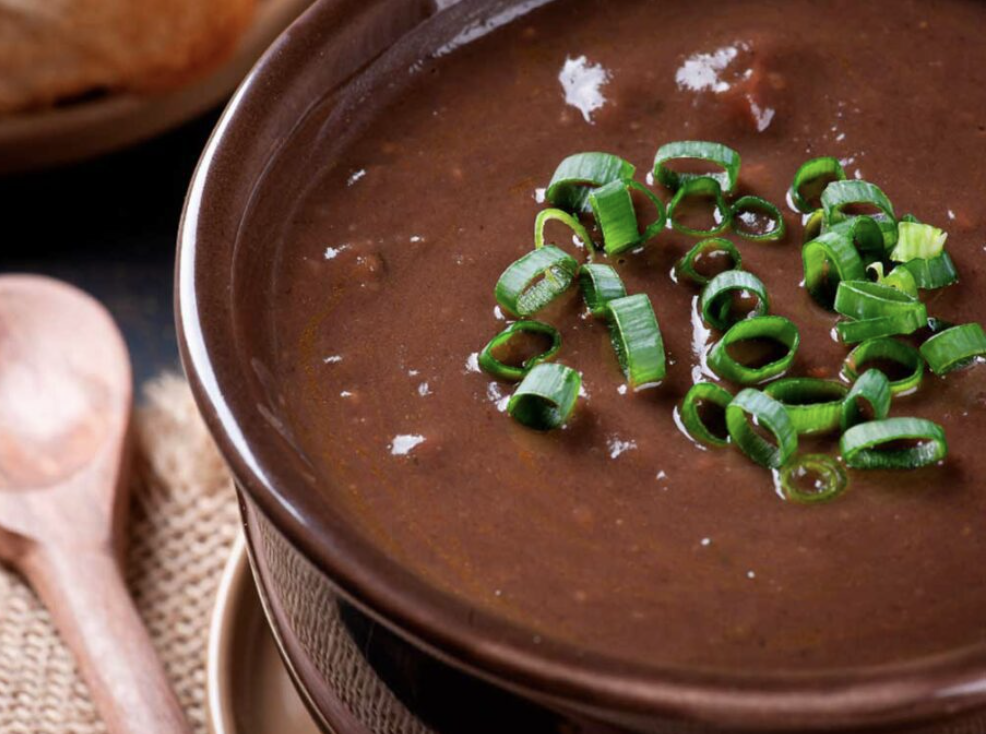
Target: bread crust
56,50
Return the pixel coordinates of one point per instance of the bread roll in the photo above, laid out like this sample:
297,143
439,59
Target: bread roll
55,50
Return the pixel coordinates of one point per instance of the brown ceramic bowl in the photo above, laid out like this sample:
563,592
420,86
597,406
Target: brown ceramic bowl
325,72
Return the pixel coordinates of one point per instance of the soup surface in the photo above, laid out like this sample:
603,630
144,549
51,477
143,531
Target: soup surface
618,533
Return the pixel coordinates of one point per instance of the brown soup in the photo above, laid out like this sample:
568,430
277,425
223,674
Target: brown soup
617,533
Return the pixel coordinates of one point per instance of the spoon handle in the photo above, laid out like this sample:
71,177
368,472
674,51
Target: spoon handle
86,595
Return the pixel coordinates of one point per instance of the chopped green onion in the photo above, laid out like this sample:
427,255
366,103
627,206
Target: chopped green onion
899,278
830,479
636,339
716,302
754,205
875,270
655,227
864,446
866,235
873,388
903,280
811,172
510,372
772,328
861,299
535,280
813,225
686,266
918,241
722,157
878,310
937,272
703,392
954,348
546,397
841,194
896,324
814,405
767,414
615,216
569,221
828,260
706,187
887,227
600,284
887,350
578,174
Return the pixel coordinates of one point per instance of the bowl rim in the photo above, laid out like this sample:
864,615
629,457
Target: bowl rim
490,647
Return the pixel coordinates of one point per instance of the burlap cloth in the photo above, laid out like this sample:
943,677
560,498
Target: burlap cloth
183,522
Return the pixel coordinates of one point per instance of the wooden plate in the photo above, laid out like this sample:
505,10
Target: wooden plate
87,129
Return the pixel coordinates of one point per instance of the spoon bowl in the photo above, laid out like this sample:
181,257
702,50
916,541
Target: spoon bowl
65,402
61,398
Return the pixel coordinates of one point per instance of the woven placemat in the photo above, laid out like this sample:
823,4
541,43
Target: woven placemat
183,522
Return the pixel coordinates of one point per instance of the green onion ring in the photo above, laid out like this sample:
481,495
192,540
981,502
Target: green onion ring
828,469
776,328
860,445
840,194
768,414
755,203
814,405
861,299
897,324
866,236
723,157
894,351
686,266
888,227
917,241
873,388
716,300
690,418
830,254
600,284
813,224
535,280
612,206
903,280
636,338
954,348
495,367
701,187
546,397
937,272
809,172
899,278
655,227
578,174
615,216
569,221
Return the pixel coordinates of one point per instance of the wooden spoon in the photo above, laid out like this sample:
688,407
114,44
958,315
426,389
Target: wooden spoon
65,400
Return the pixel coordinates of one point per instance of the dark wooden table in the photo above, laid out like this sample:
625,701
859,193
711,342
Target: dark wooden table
110,226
